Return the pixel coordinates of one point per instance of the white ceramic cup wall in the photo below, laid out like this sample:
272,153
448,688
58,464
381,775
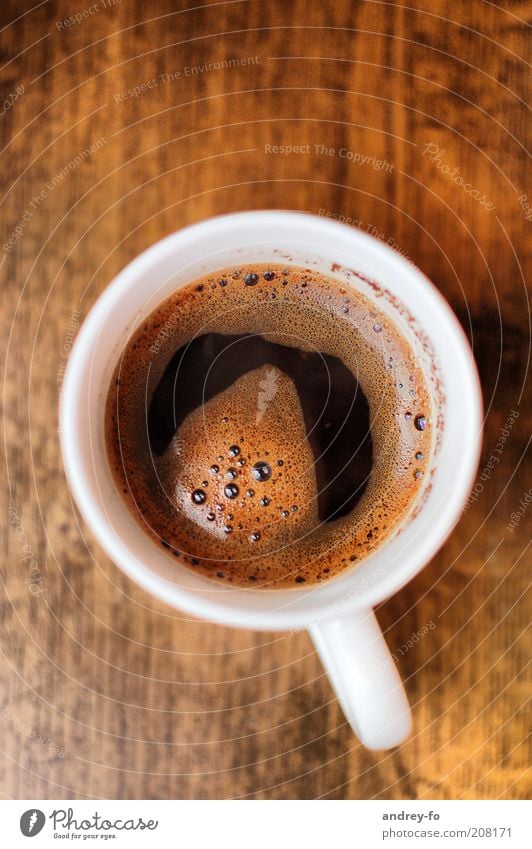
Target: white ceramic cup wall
338,614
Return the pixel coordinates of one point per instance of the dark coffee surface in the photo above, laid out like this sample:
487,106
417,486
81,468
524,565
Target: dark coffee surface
268,426
329,395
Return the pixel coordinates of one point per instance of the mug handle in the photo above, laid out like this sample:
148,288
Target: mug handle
364,677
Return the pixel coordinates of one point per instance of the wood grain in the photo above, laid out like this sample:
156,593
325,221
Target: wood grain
104,692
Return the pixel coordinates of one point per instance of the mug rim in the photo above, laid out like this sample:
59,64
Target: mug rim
281,617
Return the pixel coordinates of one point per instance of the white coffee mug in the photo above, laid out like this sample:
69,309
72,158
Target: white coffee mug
338,614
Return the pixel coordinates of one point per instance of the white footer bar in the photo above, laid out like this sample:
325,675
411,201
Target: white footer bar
266,824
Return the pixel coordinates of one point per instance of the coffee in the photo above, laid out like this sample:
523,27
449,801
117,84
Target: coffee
268,426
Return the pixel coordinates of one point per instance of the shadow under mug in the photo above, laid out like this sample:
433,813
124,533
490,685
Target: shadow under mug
338,614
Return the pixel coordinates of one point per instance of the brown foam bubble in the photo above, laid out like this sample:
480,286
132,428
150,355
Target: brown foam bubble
230,420
274,536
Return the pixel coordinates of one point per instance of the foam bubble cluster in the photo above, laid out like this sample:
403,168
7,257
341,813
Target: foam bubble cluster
249,506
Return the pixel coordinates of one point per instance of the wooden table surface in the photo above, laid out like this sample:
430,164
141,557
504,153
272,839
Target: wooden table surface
105,692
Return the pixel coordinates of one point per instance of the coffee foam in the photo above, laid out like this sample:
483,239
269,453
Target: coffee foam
215,453
260,414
